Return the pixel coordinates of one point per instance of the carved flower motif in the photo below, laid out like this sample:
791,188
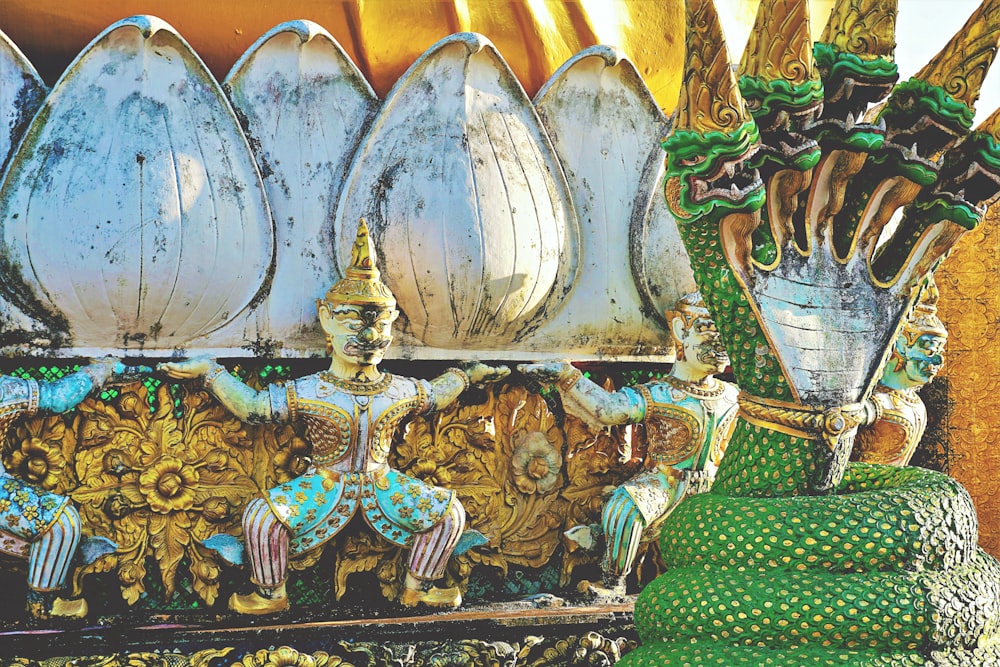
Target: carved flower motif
169,485
535,464
161,484
430,472
38,461
285,656
291,461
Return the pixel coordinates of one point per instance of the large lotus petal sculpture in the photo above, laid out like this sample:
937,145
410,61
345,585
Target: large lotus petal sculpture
614,178
466,200
133,214
304,106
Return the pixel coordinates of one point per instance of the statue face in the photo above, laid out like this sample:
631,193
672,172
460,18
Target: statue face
923,359
359,335
702,348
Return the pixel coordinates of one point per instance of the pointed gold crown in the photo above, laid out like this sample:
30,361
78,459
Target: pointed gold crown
962,64
361,284
780,47
864,28
923,318
991,126
710,99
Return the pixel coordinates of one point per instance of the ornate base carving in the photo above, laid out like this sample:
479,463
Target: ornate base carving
500,634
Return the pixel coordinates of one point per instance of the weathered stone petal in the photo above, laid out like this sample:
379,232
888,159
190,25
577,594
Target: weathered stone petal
605,127
304,107
133,213
21,93
466,201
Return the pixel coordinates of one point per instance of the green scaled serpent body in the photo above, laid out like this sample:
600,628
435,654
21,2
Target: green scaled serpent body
796,557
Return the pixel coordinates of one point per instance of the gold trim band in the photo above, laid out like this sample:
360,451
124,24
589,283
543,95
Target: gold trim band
462,375
827,424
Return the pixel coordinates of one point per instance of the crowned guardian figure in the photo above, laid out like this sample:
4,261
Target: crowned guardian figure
350,413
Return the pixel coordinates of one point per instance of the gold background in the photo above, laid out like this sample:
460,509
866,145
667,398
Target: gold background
969,282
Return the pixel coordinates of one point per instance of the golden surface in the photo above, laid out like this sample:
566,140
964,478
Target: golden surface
710,98
780,46
970,307
866,28
962,64
382,36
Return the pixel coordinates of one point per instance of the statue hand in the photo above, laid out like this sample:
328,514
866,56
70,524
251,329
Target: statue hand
122,374
188,369
102,370
480,373
547,373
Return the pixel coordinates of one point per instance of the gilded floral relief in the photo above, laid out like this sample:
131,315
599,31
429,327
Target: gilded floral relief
158,472
159,485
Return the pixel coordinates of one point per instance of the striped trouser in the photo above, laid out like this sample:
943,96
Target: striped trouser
623,525
51,553
432,549
267,544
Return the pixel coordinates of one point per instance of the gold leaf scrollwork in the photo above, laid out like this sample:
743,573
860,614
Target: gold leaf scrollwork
285,656
158,484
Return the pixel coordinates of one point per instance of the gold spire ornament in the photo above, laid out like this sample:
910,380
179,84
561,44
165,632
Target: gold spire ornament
362,284
864,28
710,100
960,67
780,46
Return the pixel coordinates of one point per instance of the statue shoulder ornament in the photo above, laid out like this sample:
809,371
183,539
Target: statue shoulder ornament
688,421
899,416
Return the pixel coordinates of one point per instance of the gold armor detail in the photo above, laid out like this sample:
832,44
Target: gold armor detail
893,437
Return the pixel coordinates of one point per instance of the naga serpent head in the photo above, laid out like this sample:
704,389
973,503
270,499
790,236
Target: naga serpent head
714,137
809,270
711,172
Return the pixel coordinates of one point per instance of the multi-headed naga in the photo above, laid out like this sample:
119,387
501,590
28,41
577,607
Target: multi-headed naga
813,210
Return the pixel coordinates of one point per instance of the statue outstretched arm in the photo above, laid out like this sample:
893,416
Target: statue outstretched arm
604,407
447,387
67,392
244,402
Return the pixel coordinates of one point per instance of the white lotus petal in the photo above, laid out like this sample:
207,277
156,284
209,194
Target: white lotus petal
605,126
465,199
21,93
133,213
304,106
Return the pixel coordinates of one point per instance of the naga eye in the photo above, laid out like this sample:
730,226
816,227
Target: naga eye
685,162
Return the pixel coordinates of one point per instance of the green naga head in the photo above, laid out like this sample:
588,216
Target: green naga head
931,112
854,58
781,86
969,180
714,137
